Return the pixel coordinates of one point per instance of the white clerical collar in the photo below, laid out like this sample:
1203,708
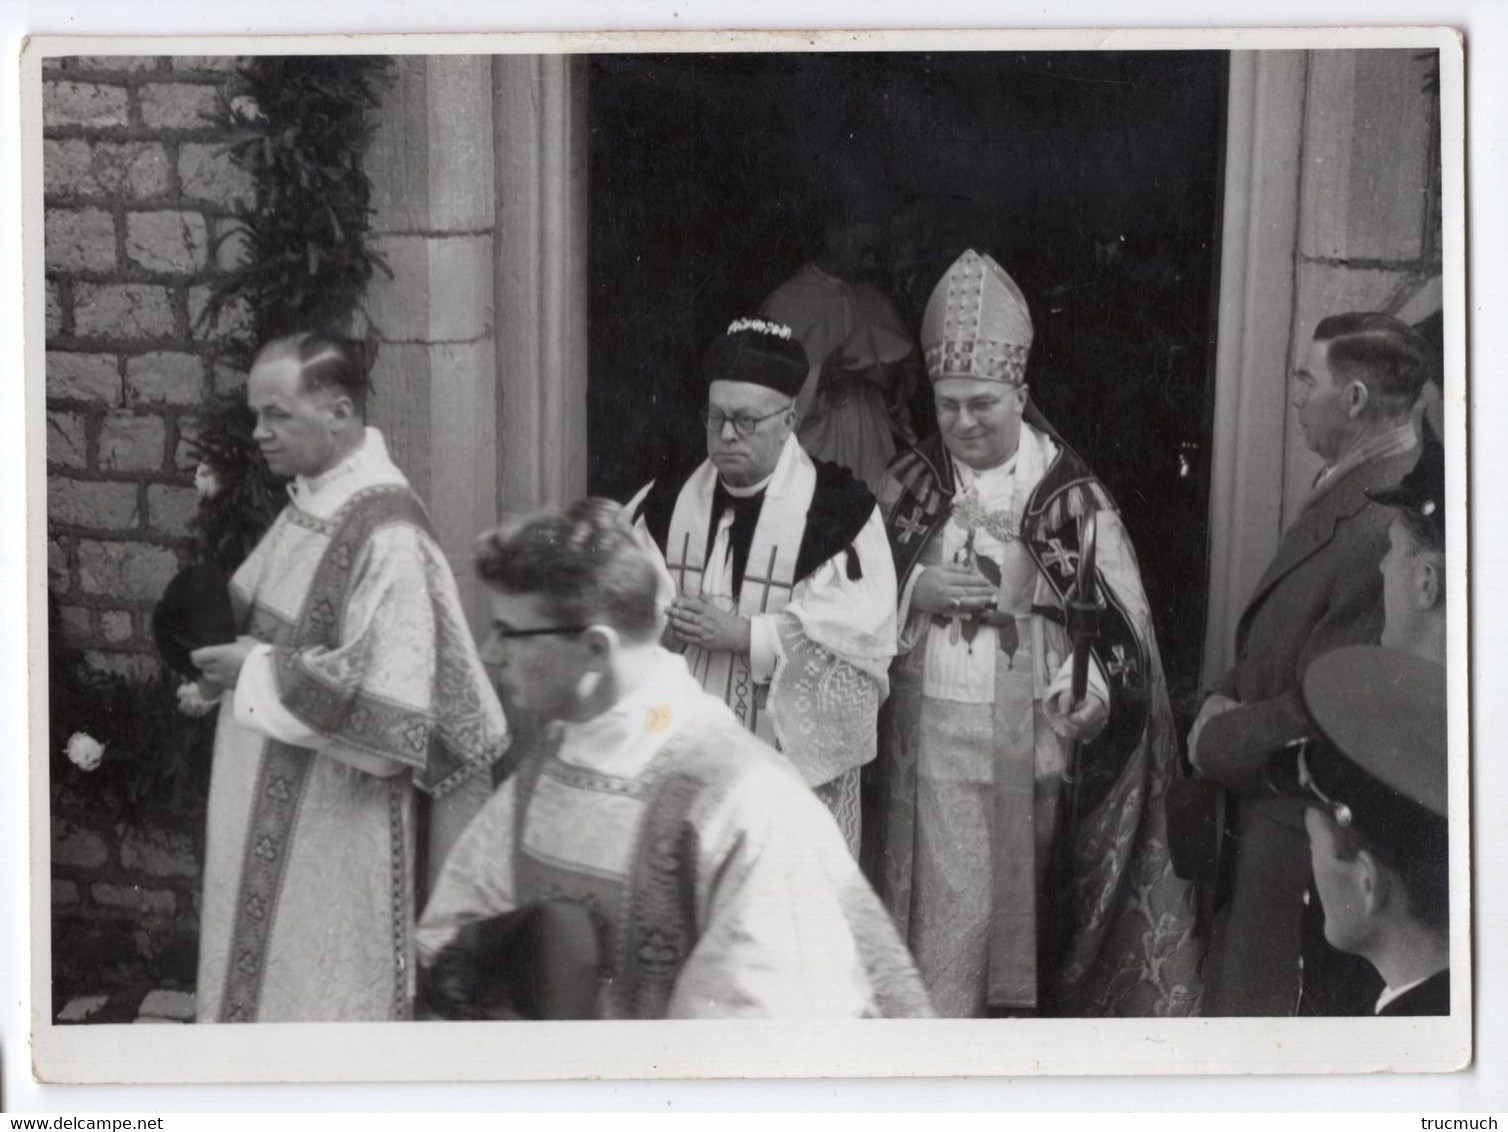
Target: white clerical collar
622,739
745,492
349,465
368,465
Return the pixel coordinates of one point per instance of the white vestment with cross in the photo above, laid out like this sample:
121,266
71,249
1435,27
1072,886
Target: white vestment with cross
820,648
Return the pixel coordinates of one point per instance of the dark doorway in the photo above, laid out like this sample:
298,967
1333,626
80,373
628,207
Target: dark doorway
1094,178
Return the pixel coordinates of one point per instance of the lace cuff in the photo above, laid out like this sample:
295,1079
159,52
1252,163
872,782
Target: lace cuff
825,711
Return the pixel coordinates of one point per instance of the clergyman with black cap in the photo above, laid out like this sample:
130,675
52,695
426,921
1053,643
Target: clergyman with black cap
1374,778
779,583
349,688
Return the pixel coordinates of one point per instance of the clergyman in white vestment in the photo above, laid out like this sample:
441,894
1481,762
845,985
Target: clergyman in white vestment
781,580
650,858
355,681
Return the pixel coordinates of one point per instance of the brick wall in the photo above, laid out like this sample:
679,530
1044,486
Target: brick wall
138,196
125,908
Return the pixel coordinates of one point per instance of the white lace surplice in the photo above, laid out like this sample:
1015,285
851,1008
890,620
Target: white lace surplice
817,669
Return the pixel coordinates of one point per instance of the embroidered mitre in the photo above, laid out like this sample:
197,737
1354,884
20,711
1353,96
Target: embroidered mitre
977,323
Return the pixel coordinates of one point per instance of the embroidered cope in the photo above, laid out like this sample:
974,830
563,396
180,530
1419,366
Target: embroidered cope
966,848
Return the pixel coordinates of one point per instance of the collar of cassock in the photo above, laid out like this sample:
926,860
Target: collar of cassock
745,504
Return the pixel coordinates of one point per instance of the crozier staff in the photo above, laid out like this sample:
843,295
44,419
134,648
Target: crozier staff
985,523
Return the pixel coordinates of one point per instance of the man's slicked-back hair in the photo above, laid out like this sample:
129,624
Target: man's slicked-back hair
324,362
1387,355
584,562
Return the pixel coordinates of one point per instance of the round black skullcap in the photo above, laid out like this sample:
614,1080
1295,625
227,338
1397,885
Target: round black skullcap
759,353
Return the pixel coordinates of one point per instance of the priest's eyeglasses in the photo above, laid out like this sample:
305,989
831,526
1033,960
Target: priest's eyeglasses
744,424
501,634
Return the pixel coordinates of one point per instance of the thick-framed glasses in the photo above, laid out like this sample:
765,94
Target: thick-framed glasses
547,631
744,424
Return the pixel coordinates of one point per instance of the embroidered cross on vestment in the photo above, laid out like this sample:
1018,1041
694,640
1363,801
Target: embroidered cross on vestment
767,581
912,525
1060,557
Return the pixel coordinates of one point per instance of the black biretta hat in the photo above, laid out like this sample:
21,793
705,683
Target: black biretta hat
1422,491
195,611
760,353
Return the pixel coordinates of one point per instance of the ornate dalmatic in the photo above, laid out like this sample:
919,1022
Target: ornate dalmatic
968,843
716,886
818,589
367,686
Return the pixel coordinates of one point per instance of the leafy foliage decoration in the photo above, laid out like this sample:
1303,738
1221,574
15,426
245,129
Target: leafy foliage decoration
301,129
247,495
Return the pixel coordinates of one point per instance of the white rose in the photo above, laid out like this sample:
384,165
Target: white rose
85,751
246,108
192,701
206,482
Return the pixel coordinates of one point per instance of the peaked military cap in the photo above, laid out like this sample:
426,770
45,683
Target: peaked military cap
1422,491
1378,761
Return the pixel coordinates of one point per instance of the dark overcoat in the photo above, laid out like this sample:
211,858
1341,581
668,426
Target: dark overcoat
1322,590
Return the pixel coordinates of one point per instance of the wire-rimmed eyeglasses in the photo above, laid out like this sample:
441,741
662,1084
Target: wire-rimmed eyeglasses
744,424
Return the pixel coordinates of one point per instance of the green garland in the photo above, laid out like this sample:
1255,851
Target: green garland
301,129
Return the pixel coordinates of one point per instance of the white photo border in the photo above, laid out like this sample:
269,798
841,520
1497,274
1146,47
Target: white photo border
626,1050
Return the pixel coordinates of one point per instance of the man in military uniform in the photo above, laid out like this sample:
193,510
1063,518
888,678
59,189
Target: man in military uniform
1413,570
1373,777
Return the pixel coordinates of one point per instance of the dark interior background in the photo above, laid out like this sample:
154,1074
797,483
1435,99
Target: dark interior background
1094,178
